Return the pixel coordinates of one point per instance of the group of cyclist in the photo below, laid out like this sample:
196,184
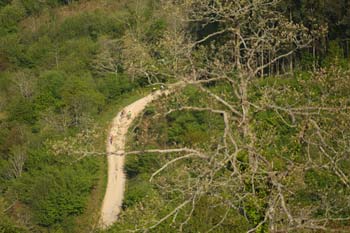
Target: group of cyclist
128,115
122,114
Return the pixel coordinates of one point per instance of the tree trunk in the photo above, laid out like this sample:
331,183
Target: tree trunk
314,56
262,62
237,52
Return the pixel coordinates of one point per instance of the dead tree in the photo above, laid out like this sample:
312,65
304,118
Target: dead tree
246,40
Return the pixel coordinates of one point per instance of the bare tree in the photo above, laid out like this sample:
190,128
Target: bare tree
108,58
245,40
25,84
17,159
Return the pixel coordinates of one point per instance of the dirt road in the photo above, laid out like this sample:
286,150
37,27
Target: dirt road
115,149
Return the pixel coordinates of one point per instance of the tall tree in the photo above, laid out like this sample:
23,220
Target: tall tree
235,42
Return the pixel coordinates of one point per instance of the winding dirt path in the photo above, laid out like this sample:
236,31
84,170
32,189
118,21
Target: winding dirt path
113,199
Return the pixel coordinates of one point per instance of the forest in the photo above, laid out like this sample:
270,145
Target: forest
258,137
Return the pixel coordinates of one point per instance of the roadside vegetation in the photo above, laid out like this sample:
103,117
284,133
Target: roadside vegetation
55,88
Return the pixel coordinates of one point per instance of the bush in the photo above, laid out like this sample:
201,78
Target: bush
23,111
50,85
8,226
14,51
335,56
89,25
113,86
55,195
4,2
80,97
318,180
32,6
41,53
307,61
137,189
10,15
190,128
136,165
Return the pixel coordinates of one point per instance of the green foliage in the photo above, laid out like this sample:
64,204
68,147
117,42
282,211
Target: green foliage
23,111
320,180
14,50
137,189
193,96
52,54
112,86
80,96
254,209
4,2
10,15
307,61
31,6
8,226
191,128
41,52
307,197
76,55
335,56
57,194
282,137
89,25
155,30
136,165
50,86
209,213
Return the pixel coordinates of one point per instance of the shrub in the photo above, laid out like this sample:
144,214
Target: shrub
137,189
79,96
23,111
89,25
113,85
10,15
55,195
